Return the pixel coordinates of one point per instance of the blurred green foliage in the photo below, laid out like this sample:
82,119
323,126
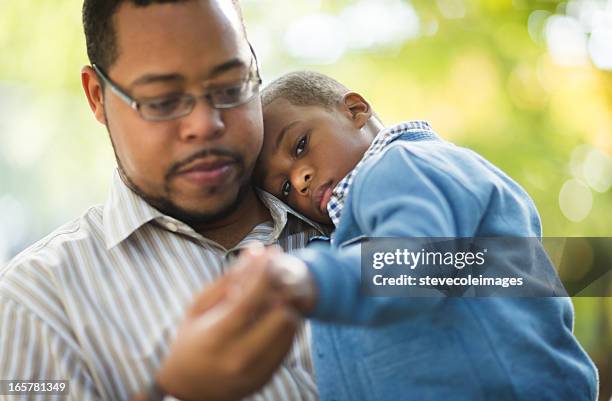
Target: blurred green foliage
479,71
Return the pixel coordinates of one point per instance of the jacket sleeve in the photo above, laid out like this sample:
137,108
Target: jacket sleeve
402,194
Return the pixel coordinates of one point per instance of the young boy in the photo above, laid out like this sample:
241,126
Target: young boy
326,154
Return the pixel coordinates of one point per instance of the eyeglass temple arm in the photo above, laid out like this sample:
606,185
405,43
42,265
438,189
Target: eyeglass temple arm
256,61
124,96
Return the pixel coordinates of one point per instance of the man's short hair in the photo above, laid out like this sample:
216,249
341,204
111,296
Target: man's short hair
305,88
100,35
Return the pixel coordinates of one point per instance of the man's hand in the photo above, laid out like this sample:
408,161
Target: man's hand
233,338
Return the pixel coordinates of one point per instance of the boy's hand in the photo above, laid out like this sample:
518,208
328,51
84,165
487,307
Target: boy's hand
291,278
288,275
295,278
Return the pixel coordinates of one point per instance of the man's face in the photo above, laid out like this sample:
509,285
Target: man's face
195,167
307,150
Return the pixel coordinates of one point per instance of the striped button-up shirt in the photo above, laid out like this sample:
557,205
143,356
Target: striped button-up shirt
98,301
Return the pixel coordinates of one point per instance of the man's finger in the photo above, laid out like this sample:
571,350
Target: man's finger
253,295
268,341
210,296
218,290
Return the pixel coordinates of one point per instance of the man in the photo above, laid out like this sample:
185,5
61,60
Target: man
103,302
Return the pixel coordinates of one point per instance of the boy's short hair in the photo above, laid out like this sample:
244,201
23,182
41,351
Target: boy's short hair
305,88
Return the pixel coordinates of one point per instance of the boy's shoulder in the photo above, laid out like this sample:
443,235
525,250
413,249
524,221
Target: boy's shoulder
421,146
435,159
435,169
441,157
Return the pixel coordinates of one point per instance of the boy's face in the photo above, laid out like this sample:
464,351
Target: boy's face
307,150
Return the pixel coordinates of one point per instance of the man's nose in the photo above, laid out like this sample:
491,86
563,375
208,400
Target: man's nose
301,179
204,122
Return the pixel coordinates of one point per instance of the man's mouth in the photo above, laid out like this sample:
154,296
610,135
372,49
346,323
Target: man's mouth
322,196
210,171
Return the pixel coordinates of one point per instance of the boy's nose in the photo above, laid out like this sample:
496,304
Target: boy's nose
301,179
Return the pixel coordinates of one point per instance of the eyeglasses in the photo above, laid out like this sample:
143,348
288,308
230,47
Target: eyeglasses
172,107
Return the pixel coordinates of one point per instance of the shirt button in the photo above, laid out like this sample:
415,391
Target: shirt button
172,227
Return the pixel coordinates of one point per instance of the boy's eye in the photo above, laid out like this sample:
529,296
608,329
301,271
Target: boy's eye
301,145
286,189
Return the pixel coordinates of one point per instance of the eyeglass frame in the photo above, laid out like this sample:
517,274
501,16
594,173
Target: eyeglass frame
136,104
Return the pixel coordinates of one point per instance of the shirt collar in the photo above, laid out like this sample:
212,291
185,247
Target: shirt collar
125,212
410,130
280,214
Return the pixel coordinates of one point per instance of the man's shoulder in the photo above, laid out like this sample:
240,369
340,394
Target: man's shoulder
39,260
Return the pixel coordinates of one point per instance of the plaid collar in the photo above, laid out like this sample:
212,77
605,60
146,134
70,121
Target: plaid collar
419,129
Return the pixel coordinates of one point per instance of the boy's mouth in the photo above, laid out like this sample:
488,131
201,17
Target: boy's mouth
321,196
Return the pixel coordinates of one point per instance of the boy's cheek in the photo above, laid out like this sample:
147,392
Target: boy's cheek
256,177
305,208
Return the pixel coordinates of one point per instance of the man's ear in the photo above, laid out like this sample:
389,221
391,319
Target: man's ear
93,91
358,108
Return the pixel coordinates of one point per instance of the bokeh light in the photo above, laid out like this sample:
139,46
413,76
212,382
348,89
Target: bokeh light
597,170
575,200
316,39
323,38
566,41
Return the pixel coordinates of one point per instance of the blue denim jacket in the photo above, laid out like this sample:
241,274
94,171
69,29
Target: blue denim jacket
437,349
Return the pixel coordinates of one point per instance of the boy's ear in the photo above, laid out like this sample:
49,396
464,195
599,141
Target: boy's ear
358,108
